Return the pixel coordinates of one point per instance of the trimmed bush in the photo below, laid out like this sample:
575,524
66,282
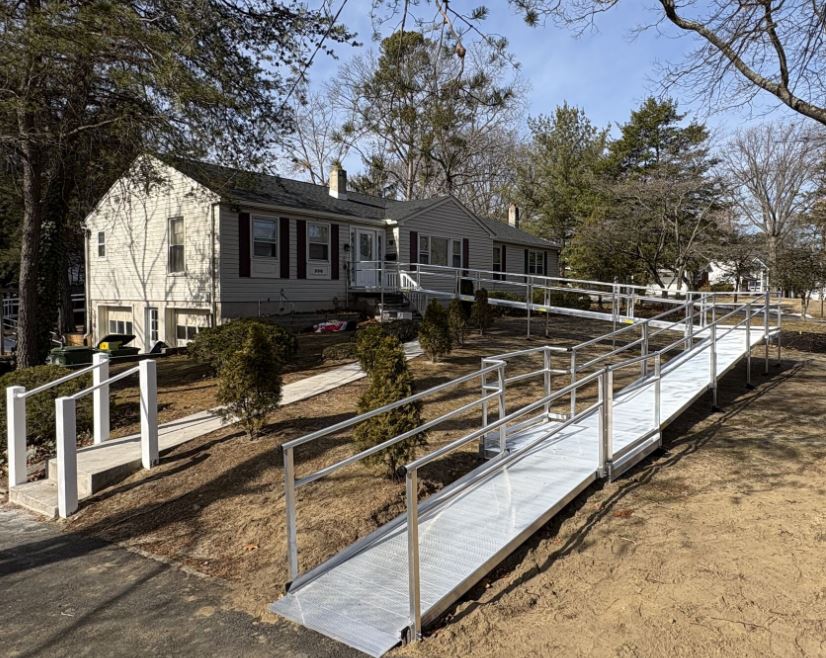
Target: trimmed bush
368,338
340,352
571,300
390,381
404,330
434,334
249,380
481,314
214,345
40,416
457,321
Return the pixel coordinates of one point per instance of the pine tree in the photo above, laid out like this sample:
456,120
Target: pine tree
434,334
456,320
390,381
481,314
249,381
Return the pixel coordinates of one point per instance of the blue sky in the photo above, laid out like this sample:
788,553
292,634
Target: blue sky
607,71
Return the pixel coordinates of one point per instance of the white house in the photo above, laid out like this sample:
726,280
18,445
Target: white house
201,244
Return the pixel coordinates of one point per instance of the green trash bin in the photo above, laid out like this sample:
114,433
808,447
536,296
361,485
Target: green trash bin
116,345
70,356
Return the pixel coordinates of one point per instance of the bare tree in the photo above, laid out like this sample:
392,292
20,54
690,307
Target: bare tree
775,46
322,137
771,168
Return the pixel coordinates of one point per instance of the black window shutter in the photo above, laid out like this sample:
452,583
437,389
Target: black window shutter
545,263
301,248
244,255
465,253
504,260
334,266
526,261
414,247
284,246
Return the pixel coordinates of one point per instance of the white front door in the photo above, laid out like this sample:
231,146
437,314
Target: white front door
368,258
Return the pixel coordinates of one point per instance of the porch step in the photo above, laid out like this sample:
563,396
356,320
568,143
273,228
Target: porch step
39,496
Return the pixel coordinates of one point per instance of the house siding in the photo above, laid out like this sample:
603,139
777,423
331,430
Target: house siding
134,272
241,296
448,220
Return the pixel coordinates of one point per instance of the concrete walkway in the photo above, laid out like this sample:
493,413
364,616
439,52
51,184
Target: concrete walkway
63,594
98,466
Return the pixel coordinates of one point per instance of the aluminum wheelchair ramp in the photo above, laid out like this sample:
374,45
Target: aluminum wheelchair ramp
384,588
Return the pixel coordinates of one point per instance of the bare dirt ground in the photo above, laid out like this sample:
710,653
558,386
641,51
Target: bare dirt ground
712,547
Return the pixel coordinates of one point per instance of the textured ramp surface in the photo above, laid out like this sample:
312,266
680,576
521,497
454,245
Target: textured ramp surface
363,601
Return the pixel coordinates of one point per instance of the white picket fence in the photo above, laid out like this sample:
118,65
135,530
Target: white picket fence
66,424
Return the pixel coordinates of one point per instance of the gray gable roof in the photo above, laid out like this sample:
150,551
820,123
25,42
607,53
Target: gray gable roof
504,232
238,186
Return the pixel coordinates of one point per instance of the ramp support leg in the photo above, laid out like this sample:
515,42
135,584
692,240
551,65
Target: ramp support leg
573,381
766,332
289,496
412,491
712,367
528,303
605,393
748,347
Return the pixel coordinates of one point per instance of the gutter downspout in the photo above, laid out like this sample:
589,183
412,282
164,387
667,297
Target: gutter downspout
87,316
213,265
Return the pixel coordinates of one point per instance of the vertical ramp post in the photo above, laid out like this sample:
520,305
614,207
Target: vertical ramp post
414,594
528,304
748,345
66,434
16,434
605,392
547,310
289,499
712,367
503,430
658,394
645,340
100,398
573,381
149,413
766,331
689,319
484,386
546,367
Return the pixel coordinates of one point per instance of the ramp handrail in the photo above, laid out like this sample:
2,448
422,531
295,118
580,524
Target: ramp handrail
504,458
16,397
292,483
66,430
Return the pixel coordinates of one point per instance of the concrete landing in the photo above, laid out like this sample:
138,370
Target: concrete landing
100,466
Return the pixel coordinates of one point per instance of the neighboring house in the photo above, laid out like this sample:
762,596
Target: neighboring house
203,244
756,281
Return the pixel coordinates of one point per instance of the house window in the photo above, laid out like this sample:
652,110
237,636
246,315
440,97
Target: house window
264,238
101,244
438,250
120,327
497,263
536,262
457,253
186,332
424,249
176,244
318,241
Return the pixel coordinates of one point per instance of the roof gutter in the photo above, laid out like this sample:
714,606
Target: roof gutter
305,213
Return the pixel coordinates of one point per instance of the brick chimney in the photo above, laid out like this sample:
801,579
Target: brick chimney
338,182
513,215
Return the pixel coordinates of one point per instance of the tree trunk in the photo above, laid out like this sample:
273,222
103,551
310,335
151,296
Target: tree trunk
772,264
27,348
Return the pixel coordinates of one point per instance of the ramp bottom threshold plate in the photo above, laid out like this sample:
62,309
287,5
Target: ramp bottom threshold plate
362,600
